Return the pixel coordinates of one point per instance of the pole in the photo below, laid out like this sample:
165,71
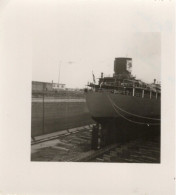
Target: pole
67,104
43,125
133,91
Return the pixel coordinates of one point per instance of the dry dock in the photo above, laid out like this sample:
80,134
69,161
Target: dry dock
62,130
74,145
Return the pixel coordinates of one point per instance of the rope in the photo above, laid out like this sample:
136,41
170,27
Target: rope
132,113
136,122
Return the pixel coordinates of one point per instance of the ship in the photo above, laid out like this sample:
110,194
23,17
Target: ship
122,99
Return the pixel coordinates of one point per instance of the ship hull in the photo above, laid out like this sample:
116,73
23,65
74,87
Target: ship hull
106,106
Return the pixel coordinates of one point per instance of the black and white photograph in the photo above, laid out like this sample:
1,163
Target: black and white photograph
113,116
87,102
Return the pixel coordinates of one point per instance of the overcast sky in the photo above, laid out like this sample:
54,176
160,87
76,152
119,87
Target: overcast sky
79,51
85,36
82,38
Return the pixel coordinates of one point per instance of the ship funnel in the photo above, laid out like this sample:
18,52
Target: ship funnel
122,66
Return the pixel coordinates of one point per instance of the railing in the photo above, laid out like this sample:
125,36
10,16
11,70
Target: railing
142,94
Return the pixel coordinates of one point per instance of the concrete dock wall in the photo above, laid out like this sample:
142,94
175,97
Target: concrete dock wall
55,116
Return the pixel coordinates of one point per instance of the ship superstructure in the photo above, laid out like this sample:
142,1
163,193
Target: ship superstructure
123,82
124,99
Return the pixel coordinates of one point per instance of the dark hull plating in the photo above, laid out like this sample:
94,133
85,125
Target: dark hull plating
117,108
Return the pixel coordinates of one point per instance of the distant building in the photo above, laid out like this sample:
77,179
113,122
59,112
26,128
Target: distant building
40,86
58,86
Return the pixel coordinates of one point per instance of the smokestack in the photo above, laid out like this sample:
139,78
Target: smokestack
154,81
122,66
